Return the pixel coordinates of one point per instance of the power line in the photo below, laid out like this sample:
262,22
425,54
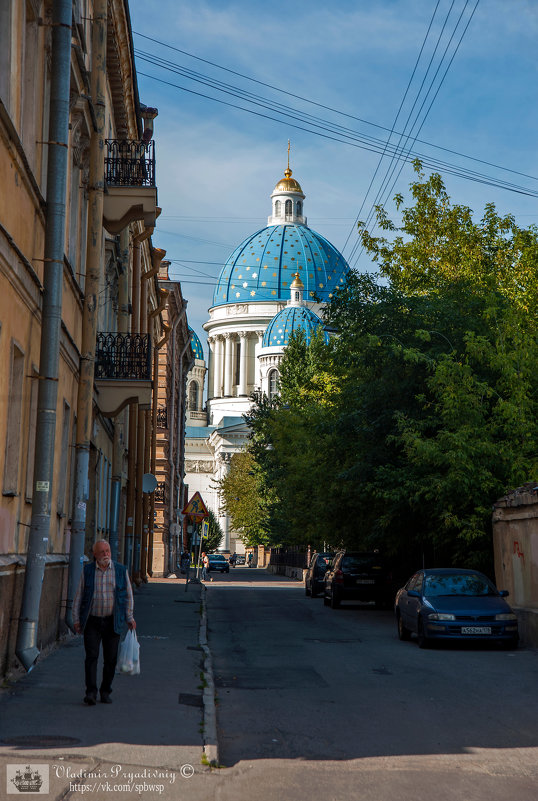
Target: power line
319,105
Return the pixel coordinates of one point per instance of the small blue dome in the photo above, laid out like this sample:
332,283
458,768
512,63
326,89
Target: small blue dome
261,268
288,322
196,345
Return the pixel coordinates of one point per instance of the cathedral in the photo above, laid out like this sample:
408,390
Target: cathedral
275,283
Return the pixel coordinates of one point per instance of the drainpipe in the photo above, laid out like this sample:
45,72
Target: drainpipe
180,428
26,646
94,266
171,434
130,557
153,462
119,421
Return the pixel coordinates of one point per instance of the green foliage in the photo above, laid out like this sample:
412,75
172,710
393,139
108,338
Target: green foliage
404,430
215,534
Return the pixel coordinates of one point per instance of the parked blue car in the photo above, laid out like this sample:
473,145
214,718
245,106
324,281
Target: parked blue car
449,604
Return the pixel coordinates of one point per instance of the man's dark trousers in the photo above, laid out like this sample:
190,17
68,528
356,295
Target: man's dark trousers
97,630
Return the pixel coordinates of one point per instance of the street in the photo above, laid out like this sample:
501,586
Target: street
310,702
298,683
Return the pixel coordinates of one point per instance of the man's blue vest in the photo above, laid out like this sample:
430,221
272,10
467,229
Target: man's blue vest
120,595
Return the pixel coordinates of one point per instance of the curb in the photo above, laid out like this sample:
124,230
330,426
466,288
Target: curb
211,745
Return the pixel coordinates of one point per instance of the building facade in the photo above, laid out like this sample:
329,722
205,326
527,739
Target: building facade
275,283
81,309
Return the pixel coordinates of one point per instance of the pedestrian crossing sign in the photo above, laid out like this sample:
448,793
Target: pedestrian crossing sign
205,529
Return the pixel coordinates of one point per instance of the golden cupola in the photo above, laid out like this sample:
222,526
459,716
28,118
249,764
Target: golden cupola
287,200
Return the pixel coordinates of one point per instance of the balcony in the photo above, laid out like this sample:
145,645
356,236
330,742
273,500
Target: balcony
123,371
130,191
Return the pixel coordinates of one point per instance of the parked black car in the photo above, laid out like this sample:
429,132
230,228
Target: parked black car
454,604
315,575
358,576
218,561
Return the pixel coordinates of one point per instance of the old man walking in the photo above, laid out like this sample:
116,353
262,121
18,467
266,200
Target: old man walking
103,603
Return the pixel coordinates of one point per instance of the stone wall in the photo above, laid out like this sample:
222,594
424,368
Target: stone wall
515,545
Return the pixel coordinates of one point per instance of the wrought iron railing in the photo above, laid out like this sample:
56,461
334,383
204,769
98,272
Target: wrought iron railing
162,417
123,357
160,492
129,162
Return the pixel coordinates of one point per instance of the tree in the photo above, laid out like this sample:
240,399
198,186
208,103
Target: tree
215,534
404,430
247,500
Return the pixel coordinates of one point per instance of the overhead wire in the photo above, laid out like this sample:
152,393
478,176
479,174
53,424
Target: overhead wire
406,152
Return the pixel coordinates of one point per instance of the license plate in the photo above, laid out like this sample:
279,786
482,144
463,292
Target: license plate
365,581
476,629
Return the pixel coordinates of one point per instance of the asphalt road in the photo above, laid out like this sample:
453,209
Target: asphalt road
316,700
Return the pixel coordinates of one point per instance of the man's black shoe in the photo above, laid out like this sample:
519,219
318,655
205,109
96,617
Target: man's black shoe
90,700
106,699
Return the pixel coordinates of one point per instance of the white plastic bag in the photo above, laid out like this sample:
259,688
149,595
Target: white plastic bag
129,654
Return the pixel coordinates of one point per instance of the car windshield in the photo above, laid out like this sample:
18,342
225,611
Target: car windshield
458,584
218,558
363,562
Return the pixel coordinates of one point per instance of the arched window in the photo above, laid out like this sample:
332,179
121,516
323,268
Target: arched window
277,208
272,383
288,208
299,208
193,396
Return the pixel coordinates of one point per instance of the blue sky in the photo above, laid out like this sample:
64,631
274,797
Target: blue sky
217,165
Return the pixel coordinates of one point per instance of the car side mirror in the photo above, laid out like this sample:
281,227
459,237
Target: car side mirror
413,593
504,593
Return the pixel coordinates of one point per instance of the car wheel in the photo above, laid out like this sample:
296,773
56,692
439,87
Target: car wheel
335,601
403,632
422,639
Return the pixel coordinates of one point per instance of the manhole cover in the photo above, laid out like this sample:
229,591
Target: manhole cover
41,740
190,699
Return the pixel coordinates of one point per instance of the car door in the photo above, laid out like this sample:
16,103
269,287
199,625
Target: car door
408,603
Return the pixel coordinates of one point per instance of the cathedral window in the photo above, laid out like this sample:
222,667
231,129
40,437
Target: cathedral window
272,384
299,208
289,208
277,208
193,396
237,364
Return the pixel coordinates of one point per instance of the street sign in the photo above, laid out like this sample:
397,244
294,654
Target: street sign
196,508
205,529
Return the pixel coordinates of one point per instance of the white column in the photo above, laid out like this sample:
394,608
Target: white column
257,349
217,375
243,340
210,366
228,365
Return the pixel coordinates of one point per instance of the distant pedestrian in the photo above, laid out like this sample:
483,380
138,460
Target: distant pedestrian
205,567
233,559
102,604
250,560
184,561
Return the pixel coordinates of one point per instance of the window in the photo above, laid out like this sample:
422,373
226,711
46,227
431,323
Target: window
237,364
289,208
277,208
193,396
64,456
272,383
32,426
299,208
13,436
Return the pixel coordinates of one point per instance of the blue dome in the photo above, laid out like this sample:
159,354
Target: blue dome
288,322
261,268
196,345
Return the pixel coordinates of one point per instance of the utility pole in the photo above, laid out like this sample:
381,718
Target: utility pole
51,318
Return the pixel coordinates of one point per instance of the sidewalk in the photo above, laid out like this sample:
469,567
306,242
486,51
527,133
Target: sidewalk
153,728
